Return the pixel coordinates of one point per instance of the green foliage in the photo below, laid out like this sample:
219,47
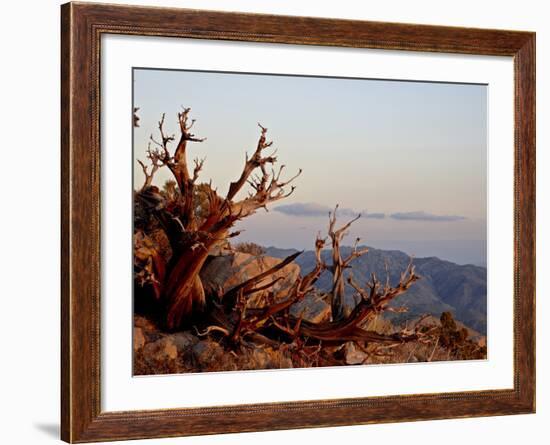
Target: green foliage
456,340
201,201
250,248
170,190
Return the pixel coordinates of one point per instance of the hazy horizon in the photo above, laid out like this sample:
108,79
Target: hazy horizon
409,156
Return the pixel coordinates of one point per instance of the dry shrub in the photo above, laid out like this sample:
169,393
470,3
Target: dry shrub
250,248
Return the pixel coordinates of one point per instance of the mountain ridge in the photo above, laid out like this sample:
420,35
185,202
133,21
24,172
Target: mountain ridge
444,285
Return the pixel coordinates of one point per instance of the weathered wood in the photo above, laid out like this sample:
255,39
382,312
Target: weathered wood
374,299
192,239
339,264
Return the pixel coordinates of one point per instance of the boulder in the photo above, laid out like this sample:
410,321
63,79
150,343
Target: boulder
223,272
139,339
145,324
353,355
161,350
184,341
207,352
210,356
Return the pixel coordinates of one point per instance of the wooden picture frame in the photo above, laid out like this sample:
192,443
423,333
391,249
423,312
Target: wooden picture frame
82,26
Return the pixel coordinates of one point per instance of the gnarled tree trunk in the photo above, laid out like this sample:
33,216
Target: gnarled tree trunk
192,236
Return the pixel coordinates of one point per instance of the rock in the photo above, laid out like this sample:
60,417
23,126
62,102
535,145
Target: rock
184,341
226,271
259,359
353,355
312,308
208,353
139,339
146,325
264,358
480,340
163,349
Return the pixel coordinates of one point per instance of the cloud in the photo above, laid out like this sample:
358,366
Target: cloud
365,214
312,209
307,209
424,216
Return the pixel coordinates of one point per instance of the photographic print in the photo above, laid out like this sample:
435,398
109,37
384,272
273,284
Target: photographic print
273,202
286,221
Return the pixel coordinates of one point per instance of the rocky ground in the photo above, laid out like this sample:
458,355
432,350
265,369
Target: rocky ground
161,353
157,352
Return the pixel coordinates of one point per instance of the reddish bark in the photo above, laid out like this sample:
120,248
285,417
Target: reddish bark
191,237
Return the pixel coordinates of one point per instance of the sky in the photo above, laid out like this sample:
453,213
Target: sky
409,156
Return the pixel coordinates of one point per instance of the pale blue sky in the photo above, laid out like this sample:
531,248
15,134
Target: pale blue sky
413,151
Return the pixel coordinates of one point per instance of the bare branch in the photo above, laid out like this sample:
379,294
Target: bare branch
355,253
264,192
247,285
198,167
155,164
135,117
339,264
363,294
185,135
210,329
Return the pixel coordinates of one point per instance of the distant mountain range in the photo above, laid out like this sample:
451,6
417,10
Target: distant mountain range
444,286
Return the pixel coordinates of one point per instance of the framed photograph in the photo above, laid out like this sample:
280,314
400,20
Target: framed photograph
274,222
